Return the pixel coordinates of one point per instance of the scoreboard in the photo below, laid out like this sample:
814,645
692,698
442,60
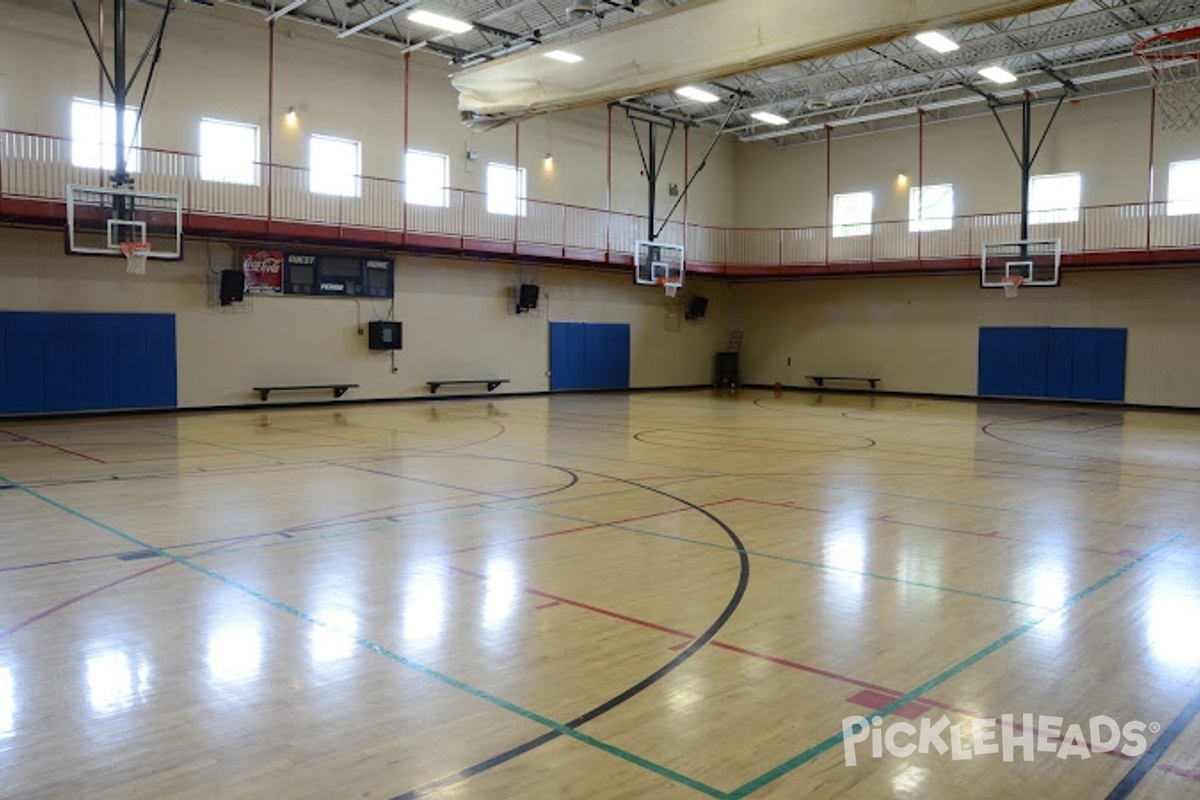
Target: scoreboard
280,272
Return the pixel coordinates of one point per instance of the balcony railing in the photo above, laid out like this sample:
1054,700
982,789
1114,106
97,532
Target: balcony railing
35,170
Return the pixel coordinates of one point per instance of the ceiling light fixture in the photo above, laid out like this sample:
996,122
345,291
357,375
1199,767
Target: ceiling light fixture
699,95
769,118
448,24
998,75
563,56
937,41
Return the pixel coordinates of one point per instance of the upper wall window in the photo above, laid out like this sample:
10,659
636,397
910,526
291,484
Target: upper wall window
1183,188
94,136
852,213
505,190
1054,198
931,208
334,166
228,152
426,176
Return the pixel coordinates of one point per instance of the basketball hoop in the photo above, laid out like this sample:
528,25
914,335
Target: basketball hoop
1011,284
135,255
1174,62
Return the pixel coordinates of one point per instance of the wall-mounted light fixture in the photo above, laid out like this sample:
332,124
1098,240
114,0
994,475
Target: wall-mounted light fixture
291,118
902,180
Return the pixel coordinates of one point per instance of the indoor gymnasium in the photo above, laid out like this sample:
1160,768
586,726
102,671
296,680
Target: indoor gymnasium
599,399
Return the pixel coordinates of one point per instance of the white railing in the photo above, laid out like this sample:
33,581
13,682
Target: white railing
35,167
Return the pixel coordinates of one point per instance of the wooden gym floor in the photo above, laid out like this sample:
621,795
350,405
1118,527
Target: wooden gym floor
659,595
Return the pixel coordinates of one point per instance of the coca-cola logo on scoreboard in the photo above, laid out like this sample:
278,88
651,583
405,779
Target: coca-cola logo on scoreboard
263,270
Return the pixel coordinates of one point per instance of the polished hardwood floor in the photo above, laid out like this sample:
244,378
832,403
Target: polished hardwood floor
659,595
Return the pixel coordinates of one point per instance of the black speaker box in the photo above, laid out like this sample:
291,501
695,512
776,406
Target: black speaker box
233,286
698,307
527,297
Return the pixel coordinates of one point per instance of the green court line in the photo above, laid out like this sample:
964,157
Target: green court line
937,680
473,691
789,560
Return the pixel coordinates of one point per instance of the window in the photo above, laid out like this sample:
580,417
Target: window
1183,188
94,136
228,151
852,214
505,190
334,165
426,176
931,208
1054,198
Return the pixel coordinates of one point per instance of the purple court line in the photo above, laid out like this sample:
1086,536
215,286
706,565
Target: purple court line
957,531
30,439
496,435
1112,424
20,626
105,587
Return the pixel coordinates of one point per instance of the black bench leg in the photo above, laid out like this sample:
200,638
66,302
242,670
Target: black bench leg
492,385
263,393
338,391
820,382
872,383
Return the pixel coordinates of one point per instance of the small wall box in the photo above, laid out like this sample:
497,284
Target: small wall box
385,336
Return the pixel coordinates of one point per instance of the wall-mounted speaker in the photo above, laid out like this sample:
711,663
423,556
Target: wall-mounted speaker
697,309
233,286
527,297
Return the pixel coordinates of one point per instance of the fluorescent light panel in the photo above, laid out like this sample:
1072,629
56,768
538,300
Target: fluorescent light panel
448,24
998,75
769,118
699,95
937,41
563,56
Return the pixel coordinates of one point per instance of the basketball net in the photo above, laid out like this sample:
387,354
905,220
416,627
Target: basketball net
670,287
1011,284
1173,59
135,256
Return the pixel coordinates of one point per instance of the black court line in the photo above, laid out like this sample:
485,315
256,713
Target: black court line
1151,757
712,630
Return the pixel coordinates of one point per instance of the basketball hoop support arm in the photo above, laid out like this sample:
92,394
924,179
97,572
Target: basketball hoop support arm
700,166
1025,158
651,165
120,85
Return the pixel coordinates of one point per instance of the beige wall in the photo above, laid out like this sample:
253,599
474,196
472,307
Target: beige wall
215,64
1107,139
458,316
920,333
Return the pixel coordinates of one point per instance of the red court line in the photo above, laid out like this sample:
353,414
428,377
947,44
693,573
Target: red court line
30,439
914,704
796,665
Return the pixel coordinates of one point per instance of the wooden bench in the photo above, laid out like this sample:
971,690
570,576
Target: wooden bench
819,380
492,383
339,389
